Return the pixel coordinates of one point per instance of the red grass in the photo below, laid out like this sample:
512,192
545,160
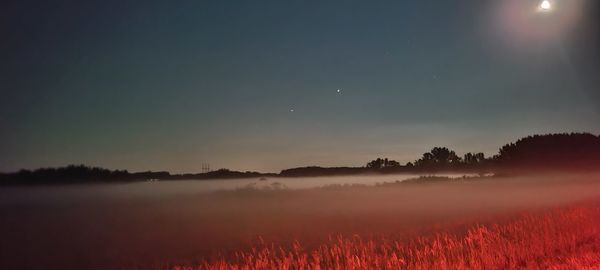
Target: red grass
559,239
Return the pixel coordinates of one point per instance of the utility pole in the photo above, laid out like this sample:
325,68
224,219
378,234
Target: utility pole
205,167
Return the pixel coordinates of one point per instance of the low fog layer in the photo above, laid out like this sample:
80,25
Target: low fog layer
102,226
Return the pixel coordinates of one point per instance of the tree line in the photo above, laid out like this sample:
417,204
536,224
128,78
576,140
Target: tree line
85,174
566,151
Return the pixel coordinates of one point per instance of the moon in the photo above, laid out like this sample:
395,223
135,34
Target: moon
545,5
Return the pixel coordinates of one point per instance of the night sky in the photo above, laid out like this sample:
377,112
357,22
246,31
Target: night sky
253,85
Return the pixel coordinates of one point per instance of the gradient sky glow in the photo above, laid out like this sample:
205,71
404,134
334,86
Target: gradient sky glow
167,85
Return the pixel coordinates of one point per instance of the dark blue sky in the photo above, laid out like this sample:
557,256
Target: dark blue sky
168,85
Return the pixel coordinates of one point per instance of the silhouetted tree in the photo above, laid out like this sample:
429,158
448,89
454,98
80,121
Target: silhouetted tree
474,159
427,160
380,163
443,155
438,158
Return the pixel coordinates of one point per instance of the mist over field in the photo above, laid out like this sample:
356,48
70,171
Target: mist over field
133,225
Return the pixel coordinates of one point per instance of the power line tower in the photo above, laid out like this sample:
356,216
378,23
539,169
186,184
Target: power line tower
205,167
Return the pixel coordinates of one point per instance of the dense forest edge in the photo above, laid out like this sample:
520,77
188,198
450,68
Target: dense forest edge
565,152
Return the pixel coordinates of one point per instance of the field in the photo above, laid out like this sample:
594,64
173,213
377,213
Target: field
535,222
564,238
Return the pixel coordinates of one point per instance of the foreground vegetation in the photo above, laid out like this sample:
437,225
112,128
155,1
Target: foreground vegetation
563,238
